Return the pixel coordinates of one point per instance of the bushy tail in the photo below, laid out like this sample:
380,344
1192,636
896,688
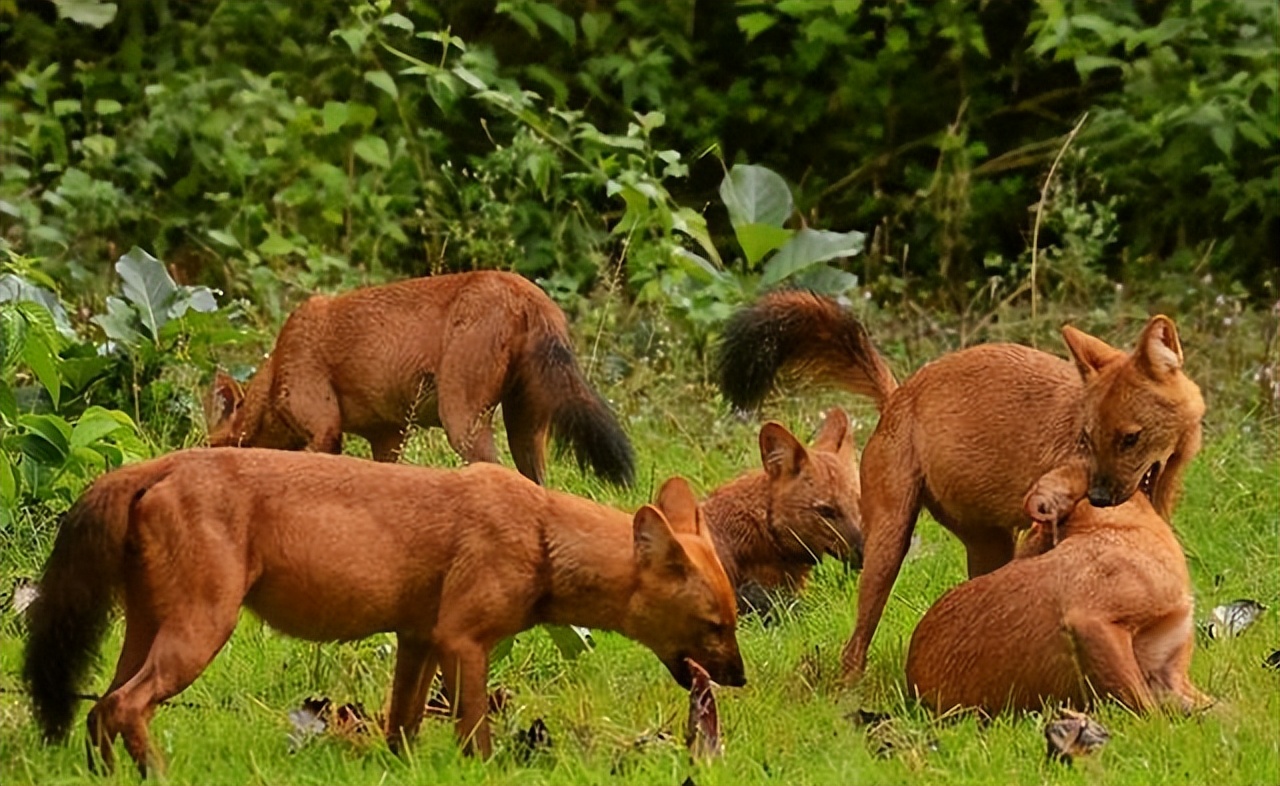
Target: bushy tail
68,618
580,416
802,333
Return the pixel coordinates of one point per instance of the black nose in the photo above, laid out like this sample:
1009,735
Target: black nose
1100,498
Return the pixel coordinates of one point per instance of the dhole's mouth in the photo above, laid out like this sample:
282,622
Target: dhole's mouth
1148,483
726,675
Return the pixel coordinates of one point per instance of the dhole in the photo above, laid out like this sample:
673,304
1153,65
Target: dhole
968,434
332,548
771,526
1105,612
440,351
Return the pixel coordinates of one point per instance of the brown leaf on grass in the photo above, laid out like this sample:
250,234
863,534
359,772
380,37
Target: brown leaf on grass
25,591
703,733
1074,734
1273,660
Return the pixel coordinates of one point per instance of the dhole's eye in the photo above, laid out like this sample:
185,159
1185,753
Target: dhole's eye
1129,440
827,511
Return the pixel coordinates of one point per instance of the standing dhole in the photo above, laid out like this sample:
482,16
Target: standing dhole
438,351
333,548
969,434
1105,612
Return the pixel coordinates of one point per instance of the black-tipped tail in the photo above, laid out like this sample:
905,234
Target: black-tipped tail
803,333
70,615
580,417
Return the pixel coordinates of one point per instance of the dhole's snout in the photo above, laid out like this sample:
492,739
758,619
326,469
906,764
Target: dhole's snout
728,671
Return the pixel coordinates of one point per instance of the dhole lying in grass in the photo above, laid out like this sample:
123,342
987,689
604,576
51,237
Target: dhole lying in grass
333,548
967,435
1105,612
439,351
771,526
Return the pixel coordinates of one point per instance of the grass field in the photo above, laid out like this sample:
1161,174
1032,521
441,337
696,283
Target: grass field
790,724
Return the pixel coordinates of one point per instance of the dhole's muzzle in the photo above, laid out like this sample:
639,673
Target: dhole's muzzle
728,671
1105,491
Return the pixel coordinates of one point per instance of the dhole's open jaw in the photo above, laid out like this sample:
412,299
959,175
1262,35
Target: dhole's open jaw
1148,483
733,676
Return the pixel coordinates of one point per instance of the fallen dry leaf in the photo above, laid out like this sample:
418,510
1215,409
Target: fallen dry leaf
703,733
1074,734
25,592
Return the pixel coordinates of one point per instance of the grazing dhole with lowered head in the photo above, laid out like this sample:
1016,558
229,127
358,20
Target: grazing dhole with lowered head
332,548
438,351
1106,612
968,434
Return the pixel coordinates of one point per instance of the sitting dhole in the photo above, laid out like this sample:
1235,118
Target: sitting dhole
1105,612
332,548
771,526
437,351
968,434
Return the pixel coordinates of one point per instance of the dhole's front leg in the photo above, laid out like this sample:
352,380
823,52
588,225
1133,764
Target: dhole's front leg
464,666
415,670
891,482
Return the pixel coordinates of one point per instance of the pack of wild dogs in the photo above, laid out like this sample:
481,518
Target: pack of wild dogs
1058,476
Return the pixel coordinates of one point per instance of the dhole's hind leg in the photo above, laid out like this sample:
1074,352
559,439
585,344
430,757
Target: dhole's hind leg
891,484
527,436
178,653
469,387
415,670
139,633
1107,662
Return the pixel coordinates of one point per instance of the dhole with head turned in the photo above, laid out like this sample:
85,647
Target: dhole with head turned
968,434
771,526
332,548
1107,612
439,351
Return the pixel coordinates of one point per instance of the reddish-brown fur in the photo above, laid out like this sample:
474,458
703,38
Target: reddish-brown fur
968,434
1107,612
772,525
438,351
333,548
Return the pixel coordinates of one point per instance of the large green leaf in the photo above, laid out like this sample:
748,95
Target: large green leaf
14,288
96,423
43,361
13,337
809,247
825,280
756,195
92,13
757,240
148,286
694,224
117,323
48,438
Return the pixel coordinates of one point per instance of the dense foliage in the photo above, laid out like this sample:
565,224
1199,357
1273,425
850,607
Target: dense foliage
260,145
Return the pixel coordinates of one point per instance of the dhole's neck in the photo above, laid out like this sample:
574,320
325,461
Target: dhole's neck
737,515
590,568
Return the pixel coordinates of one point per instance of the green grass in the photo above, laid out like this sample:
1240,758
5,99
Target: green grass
790,724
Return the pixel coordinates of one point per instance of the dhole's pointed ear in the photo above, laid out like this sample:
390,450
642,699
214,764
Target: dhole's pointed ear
656,545
835,435
1159,351
1090,353
227,395
680,506
780,452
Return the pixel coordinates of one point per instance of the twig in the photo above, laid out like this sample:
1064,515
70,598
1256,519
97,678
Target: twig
1044,193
